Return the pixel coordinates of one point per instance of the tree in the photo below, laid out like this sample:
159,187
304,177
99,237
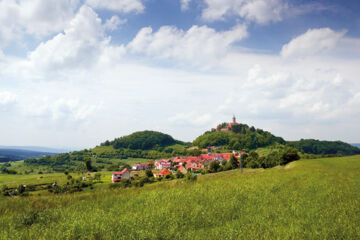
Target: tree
88,163
290,154
149,173
214,166
233,162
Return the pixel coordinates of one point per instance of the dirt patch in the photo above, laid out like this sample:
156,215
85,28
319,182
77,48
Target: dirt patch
290,165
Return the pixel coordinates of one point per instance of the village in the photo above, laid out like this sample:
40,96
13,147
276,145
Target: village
165,167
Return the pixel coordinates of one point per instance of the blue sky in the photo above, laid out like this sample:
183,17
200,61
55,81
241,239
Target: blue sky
74,73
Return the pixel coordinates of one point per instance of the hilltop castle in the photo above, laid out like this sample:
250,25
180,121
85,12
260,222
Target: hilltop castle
228,127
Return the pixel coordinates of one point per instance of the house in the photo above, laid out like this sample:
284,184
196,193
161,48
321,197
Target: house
163,173
182,169
159,165
140,166
118,176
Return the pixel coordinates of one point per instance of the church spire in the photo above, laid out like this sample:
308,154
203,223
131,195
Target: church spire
234,119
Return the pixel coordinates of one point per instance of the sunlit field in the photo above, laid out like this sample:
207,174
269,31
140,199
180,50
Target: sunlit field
307,199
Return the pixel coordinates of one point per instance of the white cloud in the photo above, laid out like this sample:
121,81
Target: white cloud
191,118
79,46
314,41
114,22
37,17
200,45
69,110
124,6
7,98
184,4
260,11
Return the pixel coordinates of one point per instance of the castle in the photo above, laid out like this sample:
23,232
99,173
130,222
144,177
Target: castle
228,127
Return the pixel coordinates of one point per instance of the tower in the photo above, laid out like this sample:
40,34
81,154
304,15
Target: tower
234,119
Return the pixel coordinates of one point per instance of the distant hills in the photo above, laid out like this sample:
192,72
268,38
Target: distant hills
313,146
37,149
154,145
355,145
12,154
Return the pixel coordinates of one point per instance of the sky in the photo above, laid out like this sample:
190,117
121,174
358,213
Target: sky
74,73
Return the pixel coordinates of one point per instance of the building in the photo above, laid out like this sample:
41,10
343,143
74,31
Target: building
118,176
163,173
140,166
228,127
161,164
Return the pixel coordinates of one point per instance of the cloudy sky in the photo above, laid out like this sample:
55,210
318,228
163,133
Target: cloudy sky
74,73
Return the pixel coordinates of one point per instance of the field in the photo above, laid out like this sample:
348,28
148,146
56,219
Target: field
307,199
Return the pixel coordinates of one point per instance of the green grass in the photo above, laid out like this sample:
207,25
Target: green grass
308,199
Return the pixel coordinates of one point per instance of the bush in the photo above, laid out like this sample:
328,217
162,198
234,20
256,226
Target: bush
191,177
179,174
149,173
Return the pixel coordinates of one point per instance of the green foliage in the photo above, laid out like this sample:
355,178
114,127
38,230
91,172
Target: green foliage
144,140
149,173
233,162
214,166
191,177
276,157
240,137
179,174
313,146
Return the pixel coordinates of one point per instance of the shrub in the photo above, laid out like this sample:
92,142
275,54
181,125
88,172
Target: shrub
149,173
191,177
179,174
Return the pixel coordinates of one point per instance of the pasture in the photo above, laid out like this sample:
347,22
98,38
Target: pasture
307,199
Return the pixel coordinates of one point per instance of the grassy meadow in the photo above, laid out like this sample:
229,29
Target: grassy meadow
307,199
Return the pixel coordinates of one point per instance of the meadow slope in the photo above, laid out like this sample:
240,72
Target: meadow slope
308,199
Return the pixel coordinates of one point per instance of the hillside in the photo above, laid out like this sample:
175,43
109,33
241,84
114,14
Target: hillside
308,199
144,140
112,155
313,146
239,137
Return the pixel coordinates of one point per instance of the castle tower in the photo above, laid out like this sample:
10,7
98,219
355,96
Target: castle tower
234,119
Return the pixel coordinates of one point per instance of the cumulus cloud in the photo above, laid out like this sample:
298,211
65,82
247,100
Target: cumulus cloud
79,45
123,6
260,11
38,17
314,41
184,4
7,98
197,45
114,22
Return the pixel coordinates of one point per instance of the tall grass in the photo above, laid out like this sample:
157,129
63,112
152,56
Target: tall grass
310,199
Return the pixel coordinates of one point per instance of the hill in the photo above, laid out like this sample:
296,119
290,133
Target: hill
313,146
144,140
38,149
239,136
7,155
121,152
355,145
308,199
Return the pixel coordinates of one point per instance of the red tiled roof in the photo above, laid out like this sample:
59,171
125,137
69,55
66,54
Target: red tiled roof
123,171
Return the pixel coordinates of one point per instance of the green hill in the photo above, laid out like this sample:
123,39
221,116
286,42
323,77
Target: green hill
240,136
312,146
144,140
